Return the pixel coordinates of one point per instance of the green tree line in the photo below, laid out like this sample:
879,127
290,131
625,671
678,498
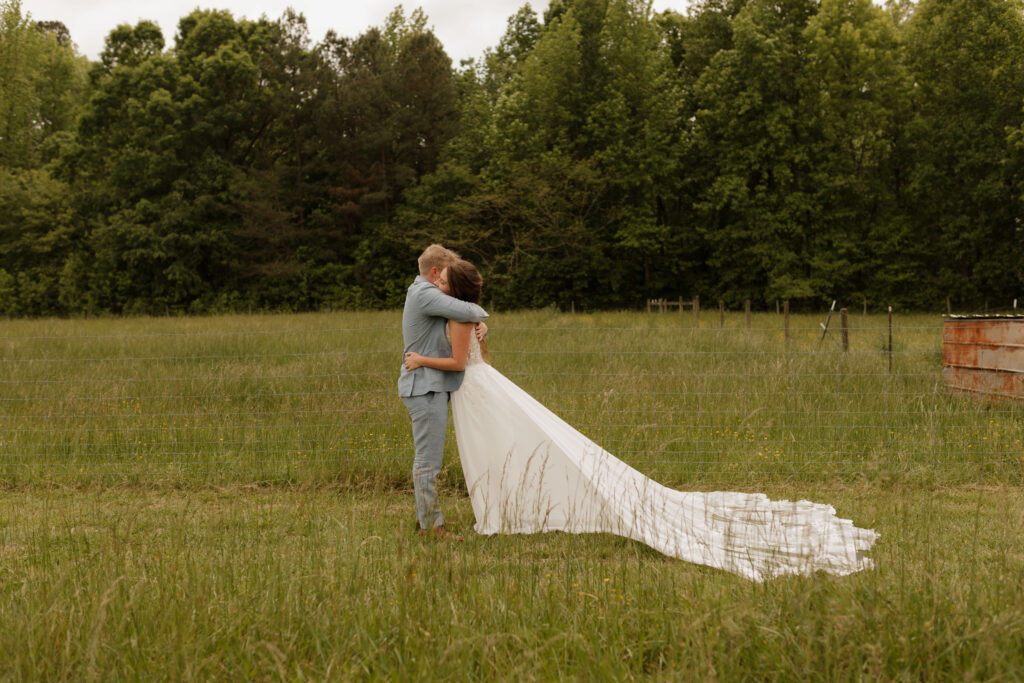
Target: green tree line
599,154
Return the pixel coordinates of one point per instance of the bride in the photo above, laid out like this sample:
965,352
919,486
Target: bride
528,471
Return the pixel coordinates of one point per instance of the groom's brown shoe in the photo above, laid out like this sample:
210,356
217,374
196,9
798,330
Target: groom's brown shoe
441,532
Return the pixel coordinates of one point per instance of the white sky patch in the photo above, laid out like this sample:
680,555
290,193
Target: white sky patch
465,27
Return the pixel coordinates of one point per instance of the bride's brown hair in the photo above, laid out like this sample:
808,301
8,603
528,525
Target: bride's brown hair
465,282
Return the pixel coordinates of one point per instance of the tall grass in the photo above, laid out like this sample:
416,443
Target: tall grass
299,584
307,398
228,498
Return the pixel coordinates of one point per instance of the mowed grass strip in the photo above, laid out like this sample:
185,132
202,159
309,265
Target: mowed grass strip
313,583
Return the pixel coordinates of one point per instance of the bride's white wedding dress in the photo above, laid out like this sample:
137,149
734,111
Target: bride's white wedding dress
528,471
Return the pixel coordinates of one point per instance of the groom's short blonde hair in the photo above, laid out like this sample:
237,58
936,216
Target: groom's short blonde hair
436,256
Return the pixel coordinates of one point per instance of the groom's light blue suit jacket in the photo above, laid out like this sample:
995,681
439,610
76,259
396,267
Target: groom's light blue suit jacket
427,312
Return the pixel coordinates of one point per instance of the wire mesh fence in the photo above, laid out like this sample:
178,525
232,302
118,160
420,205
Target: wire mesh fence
314,397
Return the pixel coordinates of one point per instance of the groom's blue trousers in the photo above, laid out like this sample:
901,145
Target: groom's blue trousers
429,414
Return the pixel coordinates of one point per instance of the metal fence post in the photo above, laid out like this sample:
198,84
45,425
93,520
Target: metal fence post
844,324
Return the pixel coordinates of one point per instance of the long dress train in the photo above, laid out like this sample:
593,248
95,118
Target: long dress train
529,471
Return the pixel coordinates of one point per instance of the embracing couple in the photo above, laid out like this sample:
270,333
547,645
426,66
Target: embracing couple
528,471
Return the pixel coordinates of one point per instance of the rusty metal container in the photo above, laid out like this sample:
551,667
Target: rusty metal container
984,354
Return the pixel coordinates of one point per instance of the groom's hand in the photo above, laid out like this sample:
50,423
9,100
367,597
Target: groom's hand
481,331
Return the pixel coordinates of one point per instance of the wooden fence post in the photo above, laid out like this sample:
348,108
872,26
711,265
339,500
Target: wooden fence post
845,326
785,312
746,307
696,309
721,312
890,340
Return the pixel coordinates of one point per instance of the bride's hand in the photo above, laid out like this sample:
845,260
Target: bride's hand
413,360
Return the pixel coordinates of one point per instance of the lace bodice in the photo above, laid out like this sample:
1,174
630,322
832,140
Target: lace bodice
475,355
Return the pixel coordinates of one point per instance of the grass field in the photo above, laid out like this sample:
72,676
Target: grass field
225,498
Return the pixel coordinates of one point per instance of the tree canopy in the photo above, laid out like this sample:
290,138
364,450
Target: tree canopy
596,156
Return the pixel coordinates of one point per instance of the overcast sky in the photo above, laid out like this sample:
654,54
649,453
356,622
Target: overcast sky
465,27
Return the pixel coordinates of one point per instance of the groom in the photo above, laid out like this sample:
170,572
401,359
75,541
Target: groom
425,390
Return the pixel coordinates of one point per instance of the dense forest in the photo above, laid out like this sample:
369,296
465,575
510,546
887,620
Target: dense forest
599,154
